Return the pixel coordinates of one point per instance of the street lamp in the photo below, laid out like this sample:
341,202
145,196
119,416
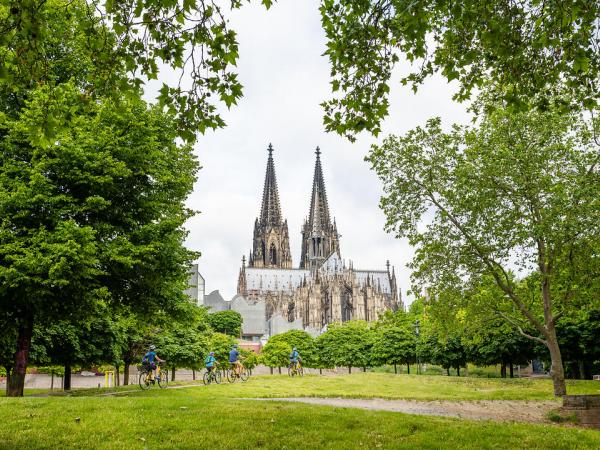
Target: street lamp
417,323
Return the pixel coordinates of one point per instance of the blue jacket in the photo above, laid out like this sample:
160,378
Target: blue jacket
149,357
233,355
210,361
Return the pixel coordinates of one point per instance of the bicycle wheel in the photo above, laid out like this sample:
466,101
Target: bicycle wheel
217,376
244,375
231,376
163,381
144,380
206,379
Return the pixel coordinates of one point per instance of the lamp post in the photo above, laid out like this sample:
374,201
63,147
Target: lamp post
417,323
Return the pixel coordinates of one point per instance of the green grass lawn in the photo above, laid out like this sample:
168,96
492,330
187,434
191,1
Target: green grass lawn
216,417
418,387
380,385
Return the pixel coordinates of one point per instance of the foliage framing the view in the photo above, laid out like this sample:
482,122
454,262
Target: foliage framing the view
528,51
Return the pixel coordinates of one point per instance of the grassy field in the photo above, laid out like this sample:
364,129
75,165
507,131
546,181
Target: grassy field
217,417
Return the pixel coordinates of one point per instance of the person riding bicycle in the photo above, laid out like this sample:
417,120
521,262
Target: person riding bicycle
294,358
148,360
210,362
234,359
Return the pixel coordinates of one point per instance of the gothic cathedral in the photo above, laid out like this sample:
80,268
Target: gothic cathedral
323,289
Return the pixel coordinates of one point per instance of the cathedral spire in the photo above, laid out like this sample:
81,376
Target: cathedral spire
271,247
319,234
242,285
318,217
270,211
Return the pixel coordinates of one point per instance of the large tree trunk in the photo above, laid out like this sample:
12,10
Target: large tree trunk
126,374
512,370
557,371
16,381
173,374
67,379
503,370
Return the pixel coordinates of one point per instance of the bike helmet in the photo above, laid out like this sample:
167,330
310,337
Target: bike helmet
153,347
294,349
234,345
212,353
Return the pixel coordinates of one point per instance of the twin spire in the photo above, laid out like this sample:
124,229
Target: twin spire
271,241
270,211
318,217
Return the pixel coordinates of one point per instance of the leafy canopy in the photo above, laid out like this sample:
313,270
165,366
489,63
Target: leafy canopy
125,44
527,51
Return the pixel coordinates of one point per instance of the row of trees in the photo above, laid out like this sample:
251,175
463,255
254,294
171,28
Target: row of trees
441,335
120,341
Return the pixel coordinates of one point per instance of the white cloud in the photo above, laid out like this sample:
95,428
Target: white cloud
285,79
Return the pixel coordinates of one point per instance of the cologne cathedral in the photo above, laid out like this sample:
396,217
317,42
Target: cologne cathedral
323,289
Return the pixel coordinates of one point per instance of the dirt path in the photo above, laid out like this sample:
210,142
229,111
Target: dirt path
503,410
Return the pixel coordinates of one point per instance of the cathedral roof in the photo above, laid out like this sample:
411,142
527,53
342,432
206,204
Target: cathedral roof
377,277
333,264
270,211
318,218
263,279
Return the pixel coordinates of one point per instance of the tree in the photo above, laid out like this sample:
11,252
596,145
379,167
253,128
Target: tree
527,52
347,344
221,344
516,191
227,322
579,339
95,225
394,345
182,346
276,354
127,43
249,359
302,341
93,342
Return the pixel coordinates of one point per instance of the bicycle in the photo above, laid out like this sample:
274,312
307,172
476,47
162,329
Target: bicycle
213,375
146,380
295,369
233,374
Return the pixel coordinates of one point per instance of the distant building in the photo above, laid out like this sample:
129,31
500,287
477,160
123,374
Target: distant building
323,289
196,286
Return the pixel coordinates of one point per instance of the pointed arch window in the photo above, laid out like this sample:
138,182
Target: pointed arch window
273,255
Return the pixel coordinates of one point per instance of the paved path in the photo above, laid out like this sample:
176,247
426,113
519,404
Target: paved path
504,410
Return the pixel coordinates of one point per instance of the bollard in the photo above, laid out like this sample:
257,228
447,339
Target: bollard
109,377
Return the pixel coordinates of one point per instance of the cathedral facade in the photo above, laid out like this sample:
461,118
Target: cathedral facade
323,289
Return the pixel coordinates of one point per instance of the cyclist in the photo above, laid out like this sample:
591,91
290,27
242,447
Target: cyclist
148,360
210,362
294,358
234,359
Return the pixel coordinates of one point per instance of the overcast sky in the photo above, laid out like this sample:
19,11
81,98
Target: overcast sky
285,79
